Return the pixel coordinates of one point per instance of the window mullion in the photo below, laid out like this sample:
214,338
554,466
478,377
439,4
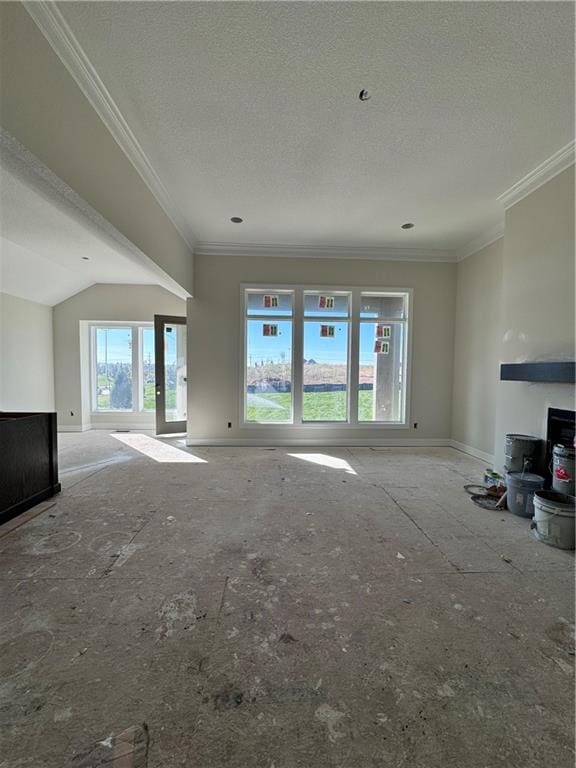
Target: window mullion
93,371
136,378
298,355
354,360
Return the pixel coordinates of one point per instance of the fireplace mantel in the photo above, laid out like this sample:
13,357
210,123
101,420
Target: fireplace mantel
545,372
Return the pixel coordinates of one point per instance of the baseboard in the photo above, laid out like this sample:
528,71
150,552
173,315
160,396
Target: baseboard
111,426
342,442
487,458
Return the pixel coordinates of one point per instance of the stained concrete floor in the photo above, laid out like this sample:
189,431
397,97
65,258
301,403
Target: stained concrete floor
263,610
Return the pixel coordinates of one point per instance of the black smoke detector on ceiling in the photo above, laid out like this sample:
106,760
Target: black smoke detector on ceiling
236,220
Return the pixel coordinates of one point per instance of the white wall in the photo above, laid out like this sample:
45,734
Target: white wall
26,355
124,303
537,304
214,335
477,349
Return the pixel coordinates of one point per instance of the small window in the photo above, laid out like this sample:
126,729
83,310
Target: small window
386,307
273,303
318,303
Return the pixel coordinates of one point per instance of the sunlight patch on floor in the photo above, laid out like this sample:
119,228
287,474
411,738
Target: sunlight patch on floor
154,449
333,462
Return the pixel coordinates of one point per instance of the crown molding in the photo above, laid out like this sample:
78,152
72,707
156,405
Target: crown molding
18,160
53,25
482,240
538,176
324,251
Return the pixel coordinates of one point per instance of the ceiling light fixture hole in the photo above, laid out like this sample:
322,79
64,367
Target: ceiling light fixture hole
236,220
408,225
86,258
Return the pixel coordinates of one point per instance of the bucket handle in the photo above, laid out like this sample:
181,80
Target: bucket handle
552,514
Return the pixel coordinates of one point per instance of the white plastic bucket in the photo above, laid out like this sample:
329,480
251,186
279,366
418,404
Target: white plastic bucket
554,518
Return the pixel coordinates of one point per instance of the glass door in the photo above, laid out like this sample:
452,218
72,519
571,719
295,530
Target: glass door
170,351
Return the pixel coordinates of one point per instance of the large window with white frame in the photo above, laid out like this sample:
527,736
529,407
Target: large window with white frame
382,358
268,384
123,367
320,356
325,368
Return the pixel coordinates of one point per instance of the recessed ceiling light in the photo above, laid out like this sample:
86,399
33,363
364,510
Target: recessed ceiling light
236,220
86,258
408,225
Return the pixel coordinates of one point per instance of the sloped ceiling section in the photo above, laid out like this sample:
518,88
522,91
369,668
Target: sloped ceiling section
45,111
52,244
253,110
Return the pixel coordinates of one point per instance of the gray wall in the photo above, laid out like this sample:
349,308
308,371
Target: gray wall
515,303
477,348
214,335
537,304
26,355
124,303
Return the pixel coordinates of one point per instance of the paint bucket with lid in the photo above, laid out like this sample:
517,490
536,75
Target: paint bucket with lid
521,487
553,521
563,469
521,452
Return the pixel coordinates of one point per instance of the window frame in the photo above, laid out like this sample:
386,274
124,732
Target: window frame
269,317
141,328
328,319
298,321
137,366
406,321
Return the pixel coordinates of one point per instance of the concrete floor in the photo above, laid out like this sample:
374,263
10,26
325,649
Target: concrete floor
261,610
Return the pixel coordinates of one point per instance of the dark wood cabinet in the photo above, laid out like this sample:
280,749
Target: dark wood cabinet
28,461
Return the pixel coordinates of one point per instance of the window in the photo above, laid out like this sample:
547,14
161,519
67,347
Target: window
382,367
148,363
123,367
175,371
325,356
268,369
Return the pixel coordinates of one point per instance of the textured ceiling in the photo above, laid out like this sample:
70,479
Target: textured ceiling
252,110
